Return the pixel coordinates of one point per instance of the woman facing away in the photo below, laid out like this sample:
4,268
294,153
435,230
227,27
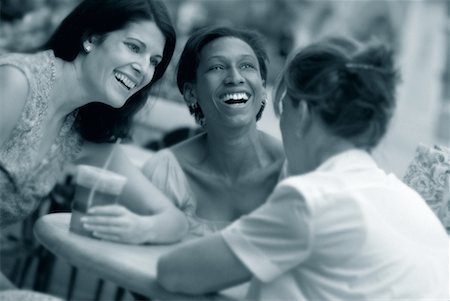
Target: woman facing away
339,227
231,168
69,102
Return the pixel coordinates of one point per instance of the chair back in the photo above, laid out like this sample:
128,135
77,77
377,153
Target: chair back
429,175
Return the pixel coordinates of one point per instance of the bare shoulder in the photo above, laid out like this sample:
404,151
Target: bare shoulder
14,89
13,79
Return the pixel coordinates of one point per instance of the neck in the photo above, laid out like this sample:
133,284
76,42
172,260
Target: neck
68,93
235,153
331,149
321,149
317,144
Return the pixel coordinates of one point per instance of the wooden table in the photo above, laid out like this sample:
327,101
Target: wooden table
130,266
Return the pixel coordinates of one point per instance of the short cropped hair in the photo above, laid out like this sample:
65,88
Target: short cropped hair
190,57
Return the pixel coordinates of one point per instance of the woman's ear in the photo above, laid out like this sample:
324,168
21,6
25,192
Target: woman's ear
304,118
189,94
90,42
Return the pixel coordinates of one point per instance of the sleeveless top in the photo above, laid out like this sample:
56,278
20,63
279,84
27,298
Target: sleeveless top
25,180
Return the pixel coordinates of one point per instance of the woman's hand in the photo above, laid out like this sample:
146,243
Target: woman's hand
117,223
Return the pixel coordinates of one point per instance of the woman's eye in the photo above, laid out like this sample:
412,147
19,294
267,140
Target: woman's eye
247,65
133,47
216,67
154,62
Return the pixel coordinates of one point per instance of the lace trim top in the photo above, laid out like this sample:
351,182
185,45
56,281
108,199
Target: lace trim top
31,179
164,171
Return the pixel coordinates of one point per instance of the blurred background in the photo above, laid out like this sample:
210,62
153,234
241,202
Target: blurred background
418,31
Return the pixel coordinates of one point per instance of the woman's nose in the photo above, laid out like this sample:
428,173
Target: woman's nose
137,67
144,70
234,77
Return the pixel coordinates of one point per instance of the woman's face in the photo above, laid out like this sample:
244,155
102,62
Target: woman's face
229,87
123,63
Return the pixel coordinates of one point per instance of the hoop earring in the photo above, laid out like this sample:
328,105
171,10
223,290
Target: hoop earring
261,109
195,110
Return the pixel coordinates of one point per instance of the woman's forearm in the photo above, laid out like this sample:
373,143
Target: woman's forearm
167,226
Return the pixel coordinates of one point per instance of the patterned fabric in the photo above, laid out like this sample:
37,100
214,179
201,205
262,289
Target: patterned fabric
429,175
25,180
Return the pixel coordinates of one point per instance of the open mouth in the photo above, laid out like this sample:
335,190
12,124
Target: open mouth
235,98
125,80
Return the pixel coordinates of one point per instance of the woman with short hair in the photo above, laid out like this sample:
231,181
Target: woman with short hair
339,227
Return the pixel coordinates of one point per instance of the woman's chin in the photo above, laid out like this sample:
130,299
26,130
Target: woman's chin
117,103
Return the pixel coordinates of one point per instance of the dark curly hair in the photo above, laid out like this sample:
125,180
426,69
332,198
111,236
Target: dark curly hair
98,122
351,87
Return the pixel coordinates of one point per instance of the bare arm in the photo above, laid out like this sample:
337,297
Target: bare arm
268,242
14,92
151,216
201,266
13,95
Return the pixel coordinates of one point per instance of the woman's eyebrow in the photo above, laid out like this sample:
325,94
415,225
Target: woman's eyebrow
137,40
248,56
222,57
215,57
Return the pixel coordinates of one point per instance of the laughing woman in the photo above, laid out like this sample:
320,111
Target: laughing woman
230,169
339,228
70,101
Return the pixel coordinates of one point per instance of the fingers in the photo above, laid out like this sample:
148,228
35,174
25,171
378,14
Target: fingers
104,229
115,234
99,220
112,223
104,236
111,210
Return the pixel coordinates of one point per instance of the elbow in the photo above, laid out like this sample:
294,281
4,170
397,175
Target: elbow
168,227
180,225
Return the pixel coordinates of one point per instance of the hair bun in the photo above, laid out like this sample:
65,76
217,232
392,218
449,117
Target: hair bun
375,57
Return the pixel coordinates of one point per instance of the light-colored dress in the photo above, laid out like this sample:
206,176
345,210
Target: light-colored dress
164,171
33,179
346,231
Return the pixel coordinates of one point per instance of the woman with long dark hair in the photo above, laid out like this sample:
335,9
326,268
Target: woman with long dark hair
68,102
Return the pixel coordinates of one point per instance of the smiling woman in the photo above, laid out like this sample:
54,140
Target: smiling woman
62,105
86,28
336,228
124,61
229,169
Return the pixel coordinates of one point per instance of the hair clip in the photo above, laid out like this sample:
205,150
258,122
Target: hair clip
364,67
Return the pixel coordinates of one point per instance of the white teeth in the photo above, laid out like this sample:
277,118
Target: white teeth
235,96
125,80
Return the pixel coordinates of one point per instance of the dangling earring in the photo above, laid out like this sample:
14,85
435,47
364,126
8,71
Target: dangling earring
195,110
87,47
202,122
261,109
